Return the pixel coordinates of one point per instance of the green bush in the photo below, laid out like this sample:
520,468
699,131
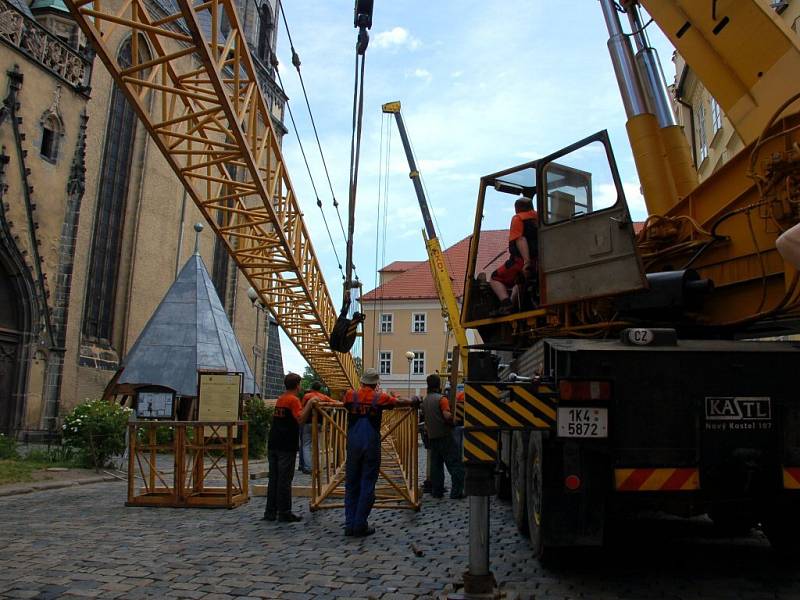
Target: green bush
164,435
259,418
96,429
8,447
56,455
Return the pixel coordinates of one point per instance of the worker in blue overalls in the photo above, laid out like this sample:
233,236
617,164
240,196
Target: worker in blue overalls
364,410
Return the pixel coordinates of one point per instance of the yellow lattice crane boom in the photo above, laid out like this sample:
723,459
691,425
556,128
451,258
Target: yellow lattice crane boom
196,90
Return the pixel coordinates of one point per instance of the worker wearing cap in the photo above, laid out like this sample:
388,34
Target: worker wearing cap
365,407
439,422
522,239
305,432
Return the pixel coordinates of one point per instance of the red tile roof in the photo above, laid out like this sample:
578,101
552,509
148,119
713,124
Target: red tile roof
400,266
417,282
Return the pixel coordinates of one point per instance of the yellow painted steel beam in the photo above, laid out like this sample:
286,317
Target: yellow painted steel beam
196,91
741,51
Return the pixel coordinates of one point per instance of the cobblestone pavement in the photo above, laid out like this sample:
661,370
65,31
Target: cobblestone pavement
85,542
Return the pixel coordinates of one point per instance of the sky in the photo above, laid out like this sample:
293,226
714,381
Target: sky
484,86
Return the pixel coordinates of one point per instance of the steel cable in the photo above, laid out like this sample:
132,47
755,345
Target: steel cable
296,63
310,176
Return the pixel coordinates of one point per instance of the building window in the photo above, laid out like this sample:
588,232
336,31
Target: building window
387,322
385,363
101,287
418,364
265,29
418,322
702,139
716,117
223,276
51,134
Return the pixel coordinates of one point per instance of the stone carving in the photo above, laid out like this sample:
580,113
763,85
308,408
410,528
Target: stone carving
48,50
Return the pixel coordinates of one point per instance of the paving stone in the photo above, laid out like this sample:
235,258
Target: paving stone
142,553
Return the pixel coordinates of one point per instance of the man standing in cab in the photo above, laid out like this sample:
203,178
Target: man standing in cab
522,248
365,408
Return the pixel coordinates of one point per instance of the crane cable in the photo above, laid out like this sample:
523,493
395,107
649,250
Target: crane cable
355,150
310,176
296,63
345,329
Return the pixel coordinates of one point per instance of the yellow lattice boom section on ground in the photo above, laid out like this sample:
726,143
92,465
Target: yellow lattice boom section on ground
193,83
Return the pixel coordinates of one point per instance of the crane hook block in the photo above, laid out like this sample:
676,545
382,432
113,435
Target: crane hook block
363,14
345,331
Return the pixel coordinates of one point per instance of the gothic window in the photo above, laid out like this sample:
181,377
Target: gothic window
112,194
265,28
51,136
221,274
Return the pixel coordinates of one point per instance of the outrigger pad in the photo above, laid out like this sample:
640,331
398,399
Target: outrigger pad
344,332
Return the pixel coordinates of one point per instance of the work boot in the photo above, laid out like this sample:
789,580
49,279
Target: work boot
289,518
348,532
269,516
505,308
363,531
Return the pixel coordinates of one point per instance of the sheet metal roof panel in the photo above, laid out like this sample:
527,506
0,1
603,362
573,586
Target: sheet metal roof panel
189,331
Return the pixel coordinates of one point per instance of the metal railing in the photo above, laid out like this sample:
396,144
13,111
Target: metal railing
398,481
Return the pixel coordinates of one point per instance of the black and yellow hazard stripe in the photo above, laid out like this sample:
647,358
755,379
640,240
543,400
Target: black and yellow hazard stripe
508,406
480,446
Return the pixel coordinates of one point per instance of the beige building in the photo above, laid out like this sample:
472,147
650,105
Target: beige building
711,136
404,314
94,225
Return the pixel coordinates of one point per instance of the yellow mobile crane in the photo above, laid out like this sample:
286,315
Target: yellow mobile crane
629,385
436,259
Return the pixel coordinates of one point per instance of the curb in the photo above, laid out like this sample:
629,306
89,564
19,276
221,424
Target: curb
55,485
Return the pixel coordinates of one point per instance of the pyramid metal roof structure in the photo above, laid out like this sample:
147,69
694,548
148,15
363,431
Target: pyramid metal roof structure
189,331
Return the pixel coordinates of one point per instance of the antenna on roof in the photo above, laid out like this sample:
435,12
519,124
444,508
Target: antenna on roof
198,227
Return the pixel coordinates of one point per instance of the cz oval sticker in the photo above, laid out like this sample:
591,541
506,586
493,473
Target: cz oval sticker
640,337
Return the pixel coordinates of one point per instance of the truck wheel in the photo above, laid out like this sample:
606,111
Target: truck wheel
519,475
782,528
535,492
731,522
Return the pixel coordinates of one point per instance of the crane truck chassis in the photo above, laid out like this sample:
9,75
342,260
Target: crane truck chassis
591,431
630,381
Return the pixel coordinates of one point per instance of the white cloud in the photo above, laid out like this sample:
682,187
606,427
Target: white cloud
423,74
397,37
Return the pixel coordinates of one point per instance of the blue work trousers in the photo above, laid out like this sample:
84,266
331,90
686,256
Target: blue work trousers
305,447
361,473
444,453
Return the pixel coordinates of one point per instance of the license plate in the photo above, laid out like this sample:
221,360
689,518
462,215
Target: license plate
582,422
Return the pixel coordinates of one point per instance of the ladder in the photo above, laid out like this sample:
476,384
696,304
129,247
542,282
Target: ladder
193,83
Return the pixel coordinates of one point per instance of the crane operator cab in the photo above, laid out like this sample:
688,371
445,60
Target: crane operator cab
584,245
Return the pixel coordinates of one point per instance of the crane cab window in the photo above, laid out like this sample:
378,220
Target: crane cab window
578,184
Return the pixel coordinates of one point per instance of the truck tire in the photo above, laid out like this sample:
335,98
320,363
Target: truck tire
782,528
519,476
534,494
731,522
